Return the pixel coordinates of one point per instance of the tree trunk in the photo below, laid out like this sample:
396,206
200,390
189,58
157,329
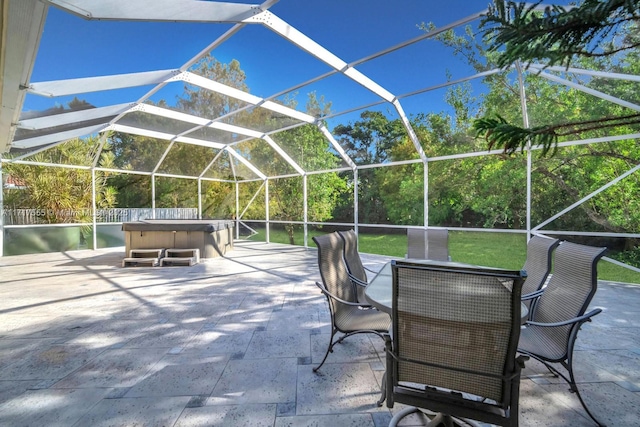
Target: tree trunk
290,229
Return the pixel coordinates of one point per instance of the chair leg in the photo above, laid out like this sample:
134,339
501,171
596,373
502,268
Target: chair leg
342,338
329,349
401,414
334,330
435,419
574,389
347,334
383,389
338,341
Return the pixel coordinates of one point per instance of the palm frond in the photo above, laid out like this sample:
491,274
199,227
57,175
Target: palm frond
521,31
499,133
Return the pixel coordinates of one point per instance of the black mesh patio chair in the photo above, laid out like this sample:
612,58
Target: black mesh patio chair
357,270
452,351
432,243
559,312
348,316
416,243
538,266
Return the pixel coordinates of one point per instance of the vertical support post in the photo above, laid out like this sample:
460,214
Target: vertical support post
525,122
1,210
237,211
426,193
266,209
356,183
153,196
305,210
199,198
94,216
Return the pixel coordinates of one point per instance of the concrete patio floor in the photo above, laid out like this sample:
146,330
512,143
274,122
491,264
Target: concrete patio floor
232,342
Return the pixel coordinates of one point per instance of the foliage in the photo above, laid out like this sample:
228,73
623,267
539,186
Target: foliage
594,29
56,191
631,257
218,200
305,144
491,192
367,141
141,153
499,133
308,147
557,34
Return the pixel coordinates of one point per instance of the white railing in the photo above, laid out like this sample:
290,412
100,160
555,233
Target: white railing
113,215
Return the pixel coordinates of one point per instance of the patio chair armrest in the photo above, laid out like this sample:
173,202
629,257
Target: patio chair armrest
580,319
519,366
387,340
521,359
340,300
532,295
371,270
357,281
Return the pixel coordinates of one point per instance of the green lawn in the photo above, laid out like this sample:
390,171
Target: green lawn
504,250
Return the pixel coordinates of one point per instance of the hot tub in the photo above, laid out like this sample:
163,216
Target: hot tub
212,237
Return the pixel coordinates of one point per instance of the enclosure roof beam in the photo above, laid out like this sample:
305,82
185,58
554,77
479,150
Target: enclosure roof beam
59,136
590,91
186,140
67,87
238,94
159,10
244,161
337,146
283,154
163,135
412,134
74,117
594,73
305,43
201,122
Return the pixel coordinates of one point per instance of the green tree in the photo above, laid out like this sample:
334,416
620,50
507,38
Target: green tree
574,173
558,34
57,191
517,31
209,104
134,152
308,147
369,141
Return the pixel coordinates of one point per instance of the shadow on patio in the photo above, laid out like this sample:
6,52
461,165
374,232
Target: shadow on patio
232,341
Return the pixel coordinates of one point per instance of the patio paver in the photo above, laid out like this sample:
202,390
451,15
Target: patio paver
232,342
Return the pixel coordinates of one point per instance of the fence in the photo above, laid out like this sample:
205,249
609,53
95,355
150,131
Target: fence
113,215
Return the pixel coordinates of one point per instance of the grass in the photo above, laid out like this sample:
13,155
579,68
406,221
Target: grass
503,250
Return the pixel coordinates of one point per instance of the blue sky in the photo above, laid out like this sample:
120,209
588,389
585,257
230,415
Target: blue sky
352,29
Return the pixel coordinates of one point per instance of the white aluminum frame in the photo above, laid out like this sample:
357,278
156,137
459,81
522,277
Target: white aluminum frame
240,15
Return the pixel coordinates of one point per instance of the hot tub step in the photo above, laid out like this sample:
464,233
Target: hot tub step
178,261
143,258
146,253
183,253
140,262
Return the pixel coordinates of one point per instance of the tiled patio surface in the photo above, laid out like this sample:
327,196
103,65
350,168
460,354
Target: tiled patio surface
232,342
